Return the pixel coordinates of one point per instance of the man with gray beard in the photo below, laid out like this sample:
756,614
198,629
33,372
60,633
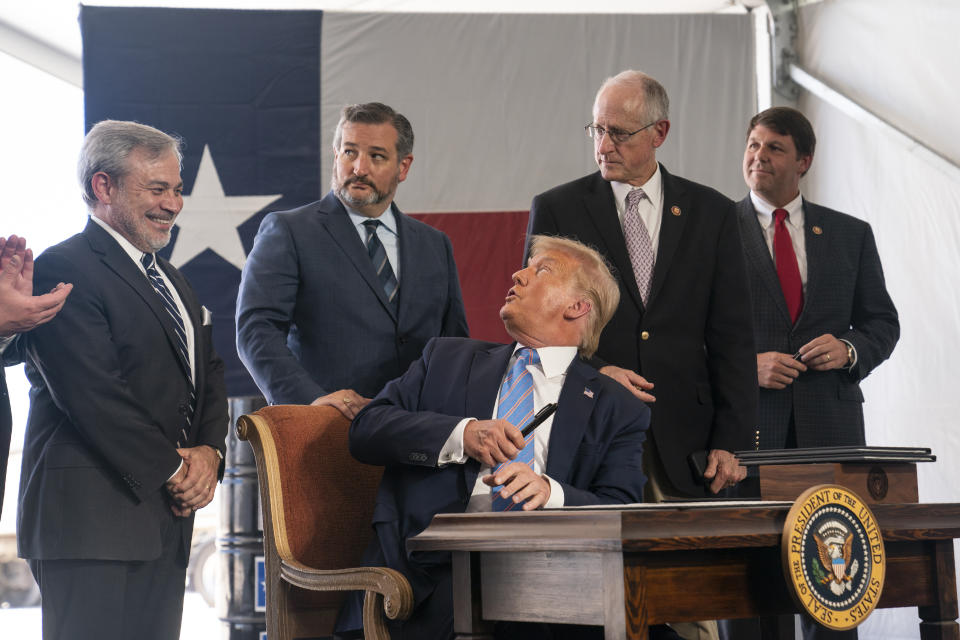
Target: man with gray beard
341,295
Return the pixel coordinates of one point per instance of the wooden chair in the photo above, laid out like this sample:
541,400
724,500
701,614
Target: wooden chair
317,507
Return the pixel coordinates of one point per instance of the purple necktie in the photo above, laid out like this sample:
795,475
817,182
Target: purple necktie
639,245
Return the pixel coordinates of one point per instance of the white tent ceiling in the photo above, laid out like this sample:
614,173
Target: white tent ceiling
45,33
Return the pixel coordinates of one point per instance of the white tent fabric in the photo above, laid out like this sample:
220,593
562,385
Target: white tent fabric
498,103
896,59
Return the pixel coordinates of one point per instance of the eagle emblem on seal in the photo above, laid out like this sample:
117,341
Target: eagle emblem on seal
834,547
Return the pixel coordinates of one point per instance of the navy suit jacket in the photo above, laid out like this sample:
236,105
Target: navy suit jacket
312,316
693,339
110,393
11,356
845,296
595,452
6,426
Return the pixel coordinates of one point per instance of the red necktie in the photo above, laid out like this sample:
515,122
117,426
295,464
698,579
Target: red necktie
787,269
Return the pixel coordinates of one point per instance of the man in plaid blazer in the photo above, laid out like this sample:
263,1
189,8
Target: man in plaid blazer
812,351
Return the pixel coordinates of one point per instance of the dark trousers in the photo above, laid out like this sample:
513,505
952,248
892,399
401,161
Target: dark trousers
114,600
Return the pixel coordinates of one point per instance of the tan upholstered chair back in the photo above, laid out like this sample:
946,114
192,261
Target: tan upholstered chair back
317,505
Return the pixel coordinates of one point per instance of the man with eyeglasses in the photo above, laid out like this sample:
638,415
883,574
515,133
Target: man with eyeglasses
682,335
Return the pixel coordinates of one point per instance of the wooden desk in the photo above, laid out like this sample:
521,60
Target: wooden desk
626,568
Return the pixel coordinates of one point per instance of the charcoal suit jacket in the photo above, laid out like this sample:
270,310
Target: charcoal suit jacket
312,317
845,296
110,394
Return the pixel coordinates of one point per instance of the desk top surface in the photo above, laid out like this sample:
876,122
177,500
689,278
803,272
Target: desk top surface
660,527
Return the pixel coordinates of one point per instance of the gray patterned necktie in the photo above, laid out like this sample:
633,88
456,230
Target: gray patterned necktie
638,241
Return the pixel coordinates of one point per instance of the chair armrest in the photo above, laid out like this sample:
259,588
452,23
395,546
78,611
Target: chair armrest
389,583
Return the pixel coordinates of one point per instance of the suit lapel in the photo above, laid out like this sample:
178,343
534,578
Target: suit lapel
603,212
411,260
483,381
758,255
816,249
483,386
673,219
118,261
570,421
341,229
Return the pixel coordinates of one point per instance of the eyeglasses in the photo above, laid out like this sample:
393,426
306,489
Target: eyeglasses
596,132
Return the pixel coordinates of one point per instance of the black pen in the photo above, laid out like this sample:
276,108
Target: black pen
538,419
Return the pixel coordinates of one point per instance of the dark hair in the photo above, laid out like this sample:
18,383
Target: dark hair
377,113
788,122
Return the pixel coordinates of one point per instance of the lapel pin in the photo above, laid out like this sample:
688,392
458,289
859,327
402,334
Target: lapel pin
587,392
675,210
817,230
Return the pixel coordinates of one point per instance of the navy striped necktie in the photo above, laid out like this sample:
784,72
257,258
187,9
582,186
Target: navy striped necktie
149,263
378,255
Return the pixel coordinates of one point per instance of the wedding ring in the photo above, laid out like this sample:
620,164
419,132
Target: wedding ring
828,357
346,400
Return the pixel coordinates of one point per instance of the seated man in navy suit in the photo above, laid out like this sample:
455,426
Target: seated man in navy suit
447,431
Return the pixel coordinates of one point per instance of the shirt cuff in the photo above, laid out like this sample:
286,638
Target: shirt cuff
452,450
853,350
176,472
556,494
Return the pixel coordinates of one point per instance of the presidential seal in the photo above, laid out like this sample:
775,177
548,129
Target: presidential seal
833,556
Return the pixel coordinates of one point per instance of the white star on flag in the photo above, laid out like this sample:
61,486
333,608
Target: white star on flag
210,218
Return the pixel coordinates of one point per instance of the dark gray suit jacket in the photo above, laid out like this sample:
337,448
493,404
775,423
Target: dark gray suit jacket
110,393
845,296
312,316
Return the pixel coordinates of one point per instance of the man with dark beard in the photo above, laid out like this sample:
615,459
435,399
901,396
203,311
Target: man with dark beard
341,295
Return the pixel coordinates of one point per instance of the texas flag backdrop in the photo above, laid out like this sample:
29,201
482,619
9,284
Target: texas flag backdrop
497,102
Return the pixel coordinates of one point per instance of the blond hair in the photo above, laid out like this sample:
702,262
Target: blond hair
592,280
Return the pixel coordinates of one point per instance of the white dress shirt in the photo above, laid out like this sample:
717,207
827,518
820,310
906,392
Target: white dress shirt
649,208
386,233
548,379
794,224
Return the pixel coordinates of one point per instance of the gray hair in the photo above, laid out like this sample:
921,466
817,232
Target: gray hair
651,103
592,280
109,143
377,113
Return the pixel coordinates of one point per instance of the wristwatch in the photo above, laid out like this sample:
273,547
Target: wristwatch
849,355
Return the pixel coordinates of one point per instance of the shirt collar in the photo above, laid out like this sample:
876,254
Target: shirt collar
553,360
765,210
387,218
134,253
652,187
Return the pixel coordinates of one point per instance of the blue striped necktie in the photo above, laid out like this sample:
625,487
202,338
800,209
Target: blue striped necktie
516,406
149,263
378,255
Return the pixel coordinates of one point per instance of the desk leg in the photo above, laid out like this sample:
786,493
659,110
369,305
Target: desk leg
939,621
468,623
635,603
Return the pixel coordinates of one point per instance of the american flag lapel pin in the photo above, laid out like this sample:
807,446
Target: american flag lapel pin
587,392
